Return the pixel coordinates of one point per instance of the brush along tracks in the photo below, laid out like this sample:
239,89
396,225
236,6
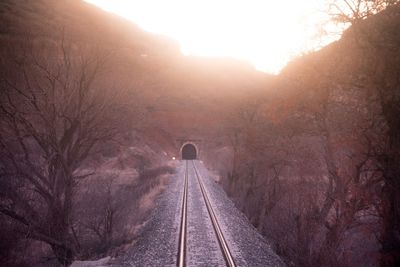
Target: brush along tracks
182,248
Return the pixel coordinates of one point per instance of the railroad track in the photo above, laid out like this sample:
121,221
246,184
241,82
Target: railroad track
214,221
182,234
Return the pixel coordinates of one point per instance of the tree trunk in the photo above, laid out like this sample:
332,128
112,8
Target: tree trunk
63,254
328,255
391,232
391,191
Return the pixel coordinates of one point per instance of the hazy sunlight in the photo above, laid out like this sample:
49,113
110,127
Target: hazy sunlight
263,32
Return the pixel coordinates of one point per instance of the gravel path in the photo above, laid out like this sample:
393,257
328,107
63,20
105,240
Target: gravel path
157,244
248,247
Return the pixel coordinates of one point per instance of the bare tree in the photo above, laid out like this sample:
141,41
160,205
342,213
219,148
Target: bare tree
354,11
345,102
238,124
337,110
55,110
380,48
99,219
384,76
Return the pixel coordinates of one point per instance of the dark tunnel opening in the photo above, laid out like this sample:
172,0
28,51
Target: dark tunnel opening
189,152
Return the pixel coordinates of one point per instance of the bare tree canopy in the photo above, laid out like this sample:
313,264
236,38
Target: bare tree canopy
354,11
56,108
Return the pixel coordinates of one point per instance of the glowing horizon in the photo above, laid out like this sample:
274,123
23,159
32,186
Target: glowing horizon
265,33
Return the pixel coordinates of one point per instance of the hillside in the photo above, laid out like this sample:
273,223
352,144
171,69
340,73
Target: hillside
169,81
144,93
310,156
316,169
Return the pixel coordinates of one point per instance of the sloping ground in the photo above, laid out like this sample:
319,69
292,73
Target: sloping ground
187,96
168,82
342,98
174,97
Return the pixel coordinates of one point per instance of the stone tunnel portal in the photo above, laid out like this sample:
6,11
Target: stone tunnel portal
189,152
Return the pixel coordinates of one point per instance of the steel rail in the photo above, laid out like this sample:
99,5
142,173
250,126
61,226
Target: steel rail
221,239
182,235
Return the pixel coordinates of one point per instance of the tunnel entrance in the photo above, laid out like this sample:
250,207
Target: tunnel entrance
189,152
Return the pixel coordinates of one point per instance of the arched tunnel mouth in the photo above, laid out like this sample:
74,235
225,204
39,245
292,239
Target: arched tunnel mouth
189,152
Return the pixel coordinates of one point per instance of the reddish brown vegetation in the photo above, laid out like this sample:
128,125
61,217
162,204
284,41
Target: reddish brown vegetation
316,165
311,156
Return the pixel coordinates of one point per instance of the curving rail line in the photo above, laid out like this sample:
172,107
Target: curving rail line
182,238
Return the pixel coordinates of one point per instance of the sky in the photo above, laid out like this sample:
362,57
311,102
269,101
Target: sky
265,33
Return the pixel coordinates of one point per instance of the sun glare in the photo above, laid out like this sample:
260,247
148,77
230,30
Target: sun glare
265,33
